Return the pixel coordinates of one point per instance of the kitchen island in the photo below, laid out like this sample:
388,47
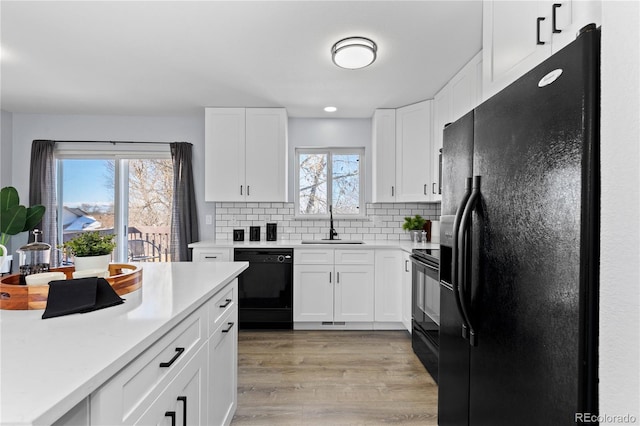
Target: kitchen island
52,367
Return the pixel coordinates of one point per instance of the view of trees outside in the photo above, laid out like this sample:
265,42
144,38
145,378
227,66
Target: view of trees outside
89,198
314,181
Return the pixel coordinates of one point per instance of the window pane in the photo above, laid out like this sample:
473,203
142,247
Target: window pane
313,183
150,197
88,188
346,183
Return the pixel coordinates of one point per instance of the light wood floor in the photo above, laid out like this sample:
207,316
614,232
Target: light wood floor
332,378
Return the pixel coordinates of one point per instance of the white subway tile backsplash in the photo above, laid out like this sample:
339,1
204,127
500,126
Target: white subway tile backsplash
384,221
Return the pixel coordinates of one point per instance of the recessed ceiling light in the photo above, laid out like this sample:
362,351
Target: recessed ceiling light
330,109
354,52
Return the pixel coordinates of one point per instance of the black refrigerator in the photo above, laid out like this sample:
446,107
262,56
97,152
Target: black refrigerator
519,249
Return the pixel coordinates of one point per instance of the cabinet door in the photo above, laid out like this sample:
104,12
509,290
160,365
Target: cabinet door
406,291
224,152
441,116
413,152
388,286
266,154
384,155
510,41
183,401
571,17
313,293
223,373
354,293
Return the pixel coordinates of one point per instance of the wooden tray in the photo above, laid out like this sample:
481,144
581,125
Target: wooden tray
15,296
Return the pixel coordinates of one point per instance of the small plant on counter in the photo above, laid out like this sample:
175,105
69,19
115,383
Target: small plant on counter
90,243
16,218
413,223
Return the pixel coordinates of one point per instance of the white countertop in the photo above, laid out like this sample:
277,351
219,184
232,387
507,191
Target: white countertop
48,366
375,244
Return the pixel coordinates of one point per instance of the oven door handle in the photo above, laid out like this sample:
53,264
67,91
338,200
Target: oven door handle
463,273
454,261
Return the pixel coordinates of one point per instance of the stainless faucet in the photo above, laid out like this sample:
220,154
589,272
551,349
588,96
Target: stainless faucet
332,231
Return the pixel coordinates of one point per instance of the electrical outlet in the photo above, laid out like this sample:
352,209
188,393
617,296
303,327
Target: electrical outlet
208,219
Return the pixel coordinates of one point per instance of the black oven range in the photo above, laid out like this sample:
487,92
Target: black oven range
425,302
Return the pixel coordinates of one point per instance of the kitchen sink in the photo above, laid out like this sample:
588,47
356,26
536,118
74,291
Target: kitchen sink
332,242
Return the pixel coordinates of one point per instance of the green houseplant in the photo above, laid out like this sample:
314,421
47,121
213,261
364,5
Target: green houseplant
15,218
90,250
414,225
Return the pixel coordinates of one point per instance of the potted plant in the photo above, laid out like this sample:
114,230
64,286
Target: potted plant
14,219
90,250
414,225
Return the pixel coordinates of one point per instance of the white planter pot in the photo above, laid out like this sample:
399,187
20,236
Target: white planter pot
92,262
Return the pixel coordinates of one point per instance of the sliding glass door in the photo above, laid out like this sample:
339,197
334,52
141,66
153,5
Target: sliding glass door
127,197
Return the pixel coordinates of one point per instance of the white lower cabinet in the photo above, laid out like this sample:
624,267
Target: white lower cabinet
184,401
188,376
406,290
223,371
333,286
388,281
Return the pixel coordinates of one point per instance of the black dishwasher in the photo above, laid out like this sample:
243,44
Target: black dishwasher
265,289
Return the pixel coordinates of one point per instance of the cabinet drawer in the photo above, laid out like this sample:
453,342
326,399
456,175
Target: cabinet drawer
355,257
313,257
184,399
211,255
128,394
223,301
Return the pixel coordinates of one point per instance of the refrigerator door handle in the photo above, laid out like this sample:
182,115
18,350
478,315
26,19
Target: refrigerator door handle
454,254
462,276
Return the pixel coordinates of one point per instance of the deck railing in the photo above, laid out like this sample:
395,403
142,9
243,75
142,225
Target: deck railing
142,246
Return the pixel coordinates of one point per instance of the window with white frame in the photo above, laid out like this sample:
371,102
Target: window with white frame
125,191
329,176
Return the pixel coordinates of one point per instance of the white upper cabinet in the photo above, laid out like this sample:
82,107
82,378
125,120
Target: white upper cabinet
459,96
384,156
266,154
245,154
413,152
518,35
224,135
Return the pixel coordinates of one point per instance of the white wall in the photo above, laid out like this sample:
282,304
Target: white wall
27,127
6,146
334,132
620,212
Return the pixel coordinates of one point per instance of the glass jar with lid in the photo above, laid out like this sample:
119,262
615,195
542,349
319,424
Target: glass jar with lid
34,257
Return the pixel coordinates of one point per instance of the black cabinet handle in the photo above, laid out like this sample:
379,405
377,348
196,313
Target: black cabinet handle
538,41
171,414
329,276
172,360
337,277
184,409
425,189
240,189
229,328
211,257
406,266
554,8
392,191
433,187
227,301
248,191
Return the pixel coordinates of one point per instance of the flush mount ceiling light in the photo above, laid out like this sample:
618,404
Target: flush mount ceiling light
354,52
330,109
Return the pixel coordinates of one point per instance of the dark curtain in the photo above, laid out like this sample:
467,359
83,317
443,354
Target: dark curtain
184,214
42,188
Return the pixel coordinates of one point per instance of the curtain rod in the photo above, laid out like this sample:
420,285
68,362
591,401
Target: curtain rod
117,142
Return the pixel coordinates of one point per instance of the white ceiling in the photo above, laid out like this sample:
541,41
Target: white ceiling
176,57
